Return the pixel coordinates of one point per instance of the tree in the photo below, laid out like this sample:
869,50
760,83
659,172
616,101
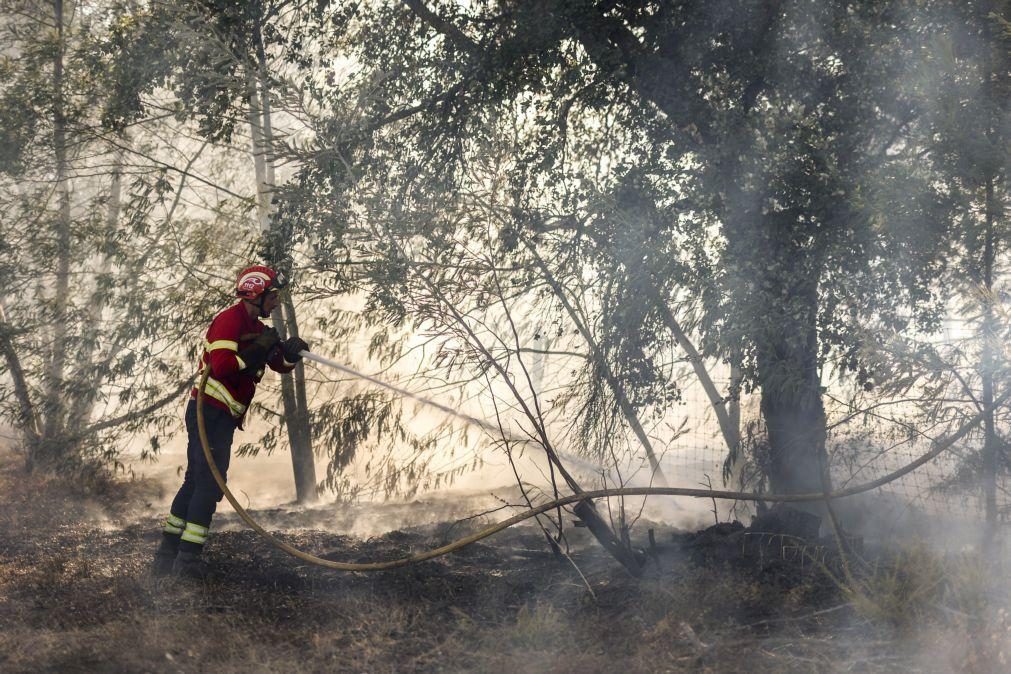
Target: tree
969,152
95,304
749,170
220,73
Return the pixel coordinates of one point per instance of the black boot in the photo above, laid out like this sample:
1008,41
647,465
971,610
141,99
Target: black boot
190,564
164,556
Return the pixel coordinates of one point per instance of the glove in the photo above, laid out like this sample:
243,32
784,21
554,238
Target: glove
292,346
256,355
268,338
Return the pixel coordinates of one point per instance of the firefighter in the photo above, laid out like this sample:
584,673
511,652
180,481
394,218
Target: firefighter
237,349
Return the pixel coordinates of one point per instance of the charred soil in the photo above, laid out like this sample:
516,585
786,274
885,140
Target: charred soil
75,595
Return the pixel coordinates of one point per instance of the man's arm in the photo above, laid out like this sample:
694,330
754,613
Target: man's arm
222,347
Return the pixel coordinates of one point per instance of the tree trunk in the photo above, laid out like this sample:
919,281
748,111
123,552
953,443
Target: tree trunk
297,412
987,367
53,408
87,384
992,210
791,394
28,422
292,387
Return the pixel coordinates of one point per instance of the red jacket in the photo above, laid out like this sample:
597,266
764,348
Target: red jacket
227,388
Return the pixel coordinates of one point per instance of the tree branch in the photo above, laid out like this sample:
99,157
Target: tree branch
615,49
144,411
444,27
29,420
598,357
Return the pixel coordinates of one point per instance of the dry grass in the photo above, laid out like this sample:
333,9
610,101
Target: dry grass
75,596
953,608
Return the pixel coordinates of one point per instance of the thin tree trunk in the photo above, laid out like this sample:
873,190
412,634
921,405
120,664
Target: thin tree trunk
296,415
990,440
305,468
296,403
53,408
990,322
28,421
729,428
87,383
619,392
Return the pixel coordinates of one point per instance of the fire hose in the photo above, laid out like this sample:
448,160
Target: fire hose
939,447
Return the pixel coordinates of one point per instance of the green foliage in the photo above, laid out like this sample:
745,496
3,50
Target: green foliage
754,169
780,186
99,306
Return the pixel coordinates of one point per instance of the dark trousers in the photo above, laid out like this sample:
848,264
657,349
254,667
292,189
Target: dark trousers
198,497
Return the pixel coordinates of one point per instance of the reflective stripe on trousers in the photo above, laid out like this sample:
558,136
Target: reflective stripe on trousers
195,533
174,525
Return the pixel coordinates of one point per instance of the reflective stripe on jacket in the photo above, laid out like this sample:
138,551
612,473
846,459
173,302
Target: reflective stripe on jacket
227,387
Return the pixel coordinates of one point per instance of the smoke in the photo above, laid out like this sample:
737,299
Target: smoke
265,484
261,481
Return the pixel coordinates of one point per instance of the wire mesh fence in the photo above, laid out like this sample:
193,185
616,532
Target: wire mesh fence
860,451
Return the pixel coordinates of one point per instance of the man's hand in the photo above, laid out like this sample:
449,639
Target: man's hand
256,355
292,348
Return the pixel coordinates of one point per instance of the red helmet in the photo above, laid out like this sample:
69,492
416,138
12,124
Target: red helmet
257,280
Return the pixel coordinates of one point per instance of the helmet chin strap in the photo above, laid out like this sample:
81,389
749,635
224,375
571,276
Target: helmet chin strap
259,305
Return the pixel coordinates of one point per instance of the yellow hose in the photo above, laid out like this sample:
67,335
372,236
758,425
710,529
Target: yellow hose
566,500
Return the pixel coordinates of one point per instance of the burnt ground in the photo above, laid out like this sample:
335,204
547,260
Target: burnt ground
75,595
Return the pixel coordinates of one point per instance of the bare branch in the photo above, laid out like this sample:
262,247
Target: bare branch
444,27
29,419
144,411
